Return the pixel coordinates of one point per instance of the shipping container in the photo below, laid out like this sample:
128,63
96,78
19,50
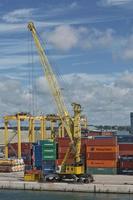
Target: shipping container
101,163
26,149
49,151
28,167
101,156
126,158
102,141
68,161
125,138
111,171
37,154
49,157
62,155
63,142
48,167
126,153
64,149
125,171
47,141
125,147
126,164
110,149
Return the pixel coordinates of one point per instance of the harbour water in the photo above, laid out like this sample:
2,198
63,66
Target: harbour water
35,195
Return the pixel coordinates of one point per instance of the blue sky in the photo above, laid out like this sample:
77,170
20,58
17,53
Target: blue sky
89,44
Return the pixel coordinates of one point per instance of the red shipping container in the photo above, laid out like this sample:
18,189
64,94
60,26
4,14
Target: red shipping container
126,164
100,133
25,151
62,155
111,149
63,142
101,156
69,161
64,149
126,153
102,142
101,163
126,147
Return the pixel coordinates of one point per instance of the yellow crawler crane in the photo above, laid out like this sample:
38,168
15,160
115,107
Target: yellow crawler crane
71,124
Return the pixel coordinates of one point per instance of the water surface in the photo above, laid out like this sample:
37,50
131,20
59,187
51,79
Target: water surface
36,195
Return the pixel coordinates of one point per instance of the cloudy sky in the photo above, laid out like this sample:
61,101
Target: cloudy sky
89,44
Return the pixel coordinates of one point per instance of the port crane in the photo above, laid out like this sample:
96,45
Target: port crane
71,124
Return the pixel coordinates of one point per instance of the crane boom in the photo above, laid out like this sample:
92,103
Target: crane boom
52,81
71,125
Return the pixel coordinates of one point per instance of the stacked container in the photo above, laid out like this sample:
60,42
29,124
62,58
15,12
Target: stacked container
37,156
63,144
125,154
48,156
102,155
25,151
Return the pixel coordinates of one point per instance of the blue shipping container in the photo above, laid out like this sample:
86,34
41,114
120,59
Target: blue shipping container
48,167
103,137
125,138
37,152
125,171
126,158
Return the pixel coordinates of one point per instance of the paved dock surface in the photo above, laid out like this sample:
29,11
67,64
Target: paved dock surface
99,179
102,184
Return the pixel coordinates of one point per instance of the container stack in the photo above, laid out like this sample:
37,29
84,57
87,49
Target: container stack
63,144
48,156
125,155
25,151
43,160
37,156
101,133
11,165
102,155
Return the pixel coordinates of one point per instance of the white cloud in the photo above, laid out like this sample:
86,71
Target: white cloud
63,37
125,81
128,54
105,99
19,15
6,28
73,5
67,37
113,2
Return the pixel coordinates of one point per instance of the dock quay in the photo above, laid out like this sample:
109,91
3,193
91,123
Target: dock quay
102,184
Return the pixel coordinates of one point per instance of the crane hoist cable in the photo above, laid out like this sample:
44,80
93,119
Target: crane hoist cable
57,72
32,78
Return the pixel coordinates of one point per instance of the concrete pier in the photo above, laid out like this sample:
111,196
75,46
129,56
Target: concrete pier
67,187
102,184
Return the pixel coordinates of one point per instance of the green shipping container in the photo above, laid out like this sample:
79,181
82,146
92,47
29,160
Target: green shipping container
41,142
48,154
49,157
49,146
101,170
49,151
